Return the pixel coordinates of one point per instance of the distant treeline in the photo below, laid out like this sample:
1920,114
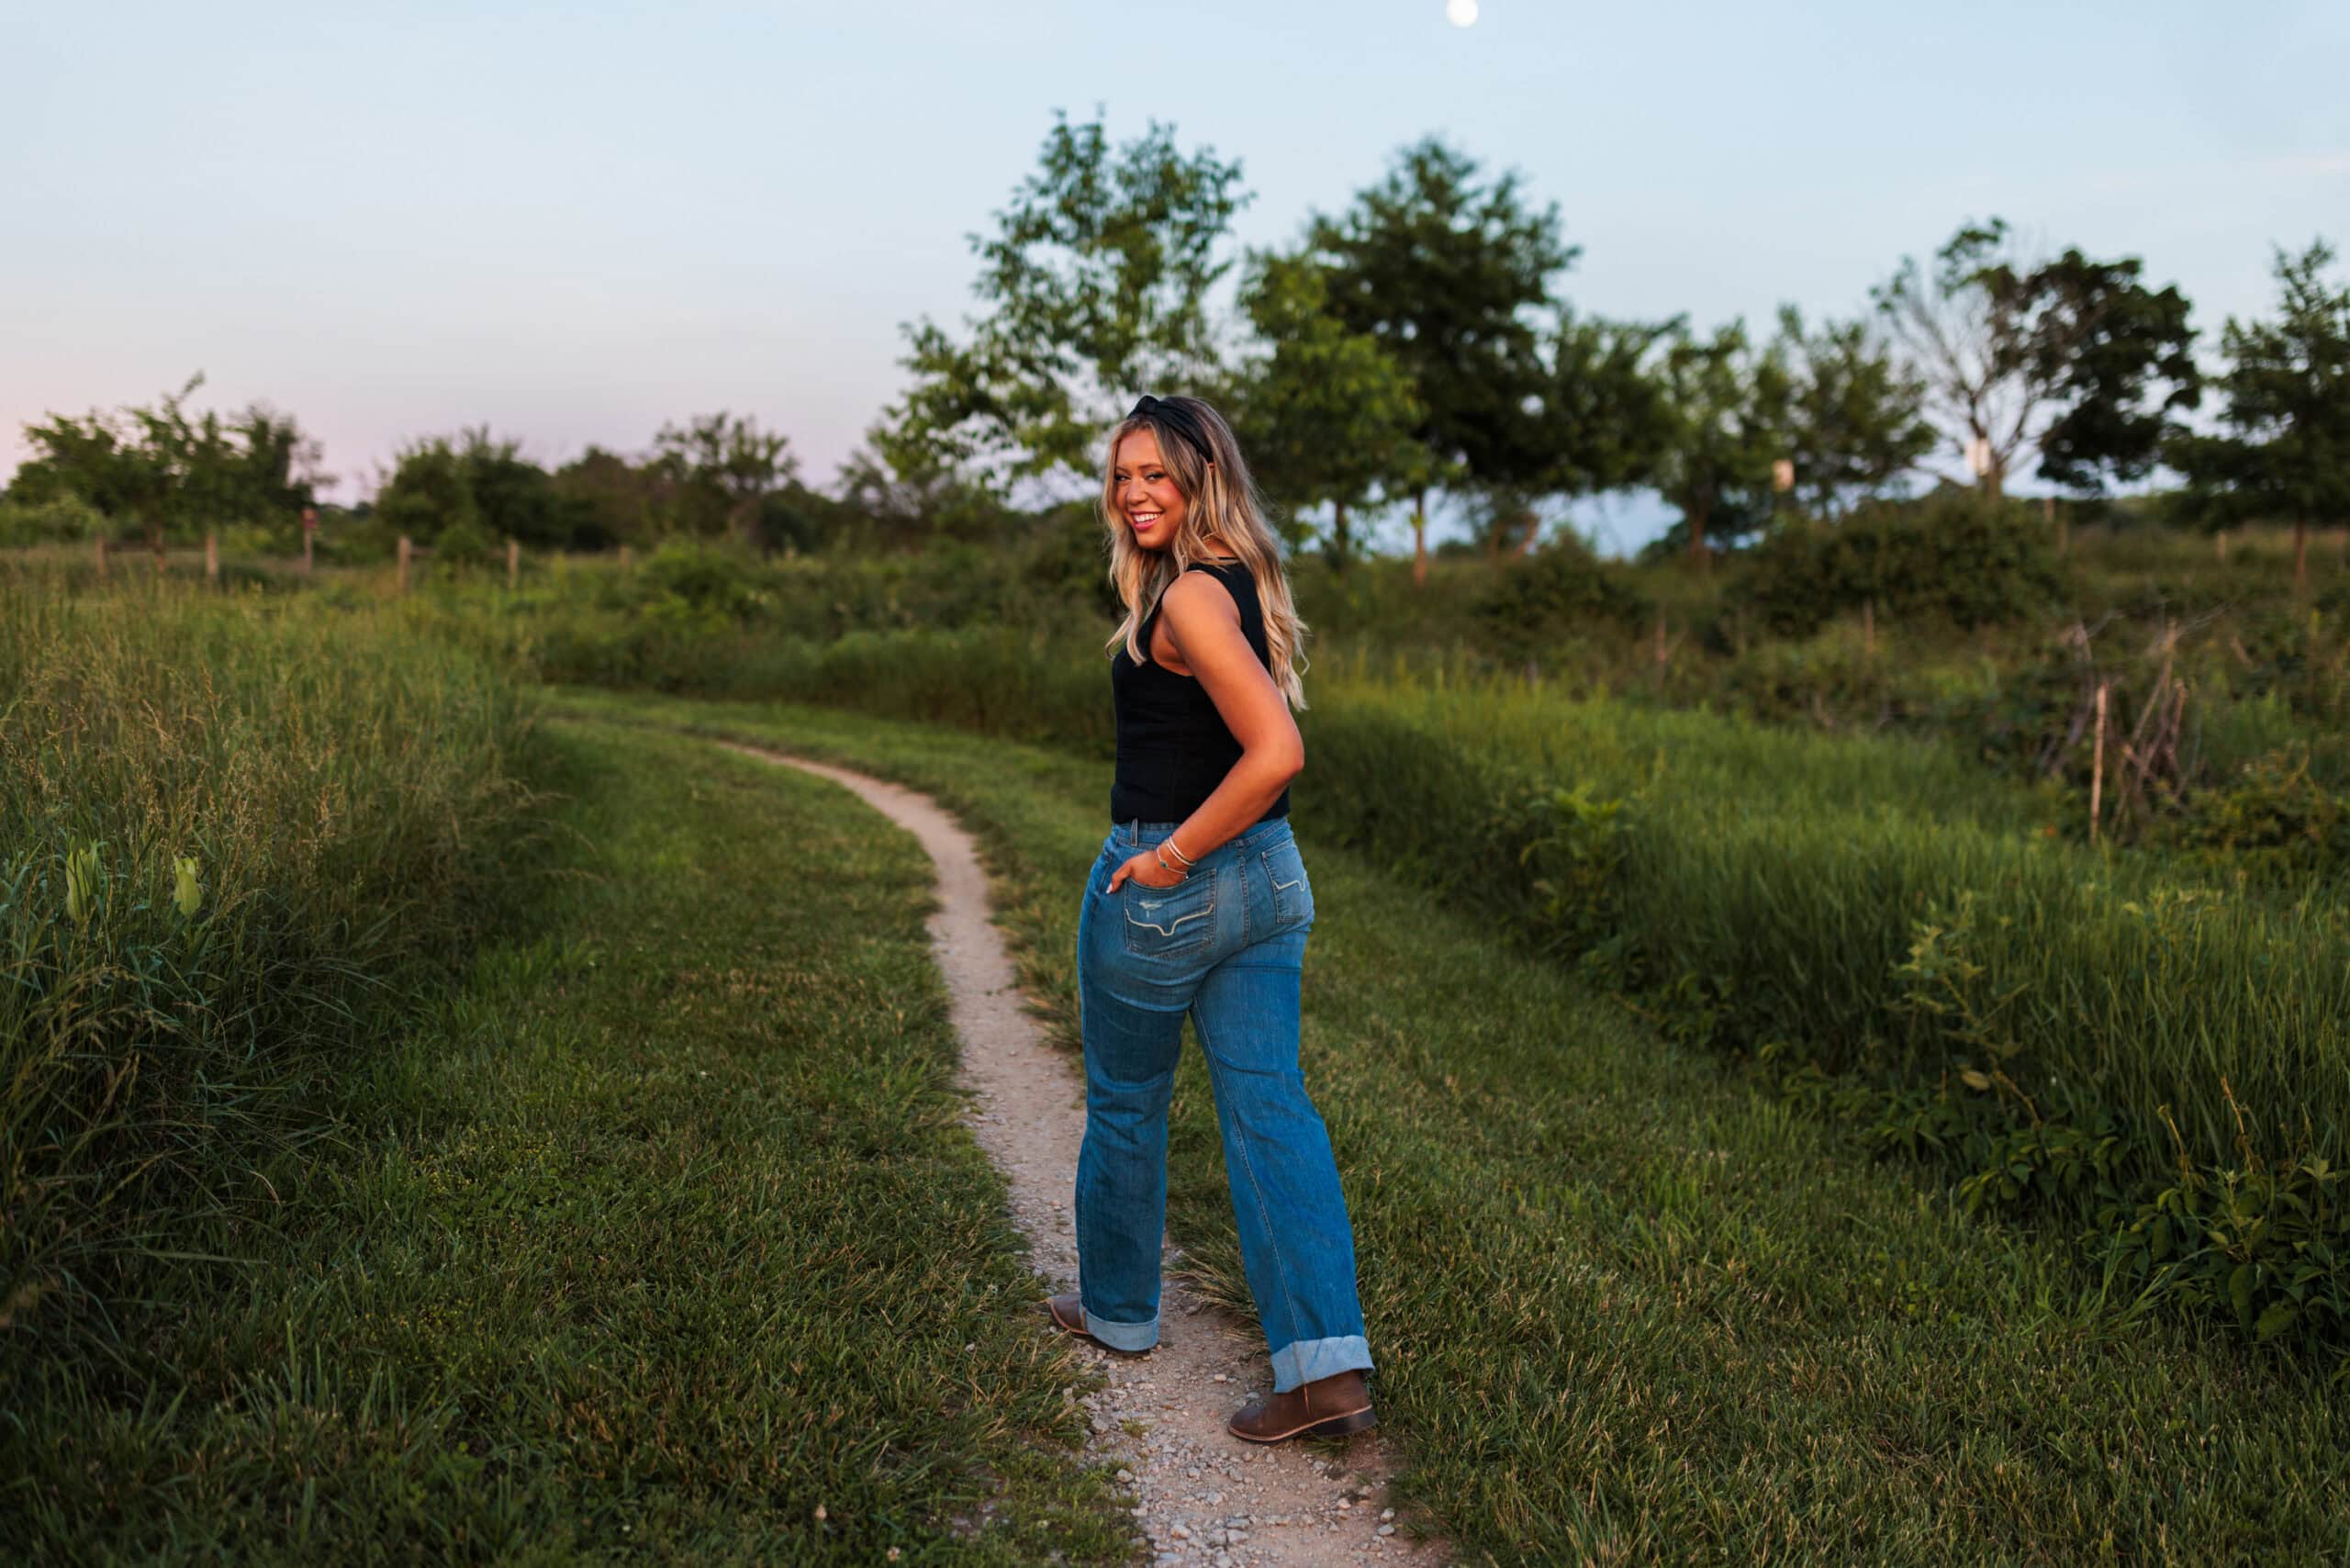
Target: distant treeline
1415,342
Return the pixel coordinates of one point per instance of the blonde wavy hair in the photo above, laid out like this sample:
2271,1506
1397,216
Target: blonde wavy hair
1204,459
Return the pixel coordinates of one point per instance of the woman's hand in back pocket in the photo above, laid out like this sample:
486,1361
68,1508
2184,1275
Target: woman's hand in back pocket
1145,869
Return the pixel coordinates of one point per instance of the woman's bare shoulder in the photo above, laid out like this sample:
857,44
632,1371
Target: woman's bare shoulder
1196,597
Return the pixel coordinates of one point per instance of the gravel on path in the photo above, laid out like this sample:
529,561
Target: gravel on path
1199,1495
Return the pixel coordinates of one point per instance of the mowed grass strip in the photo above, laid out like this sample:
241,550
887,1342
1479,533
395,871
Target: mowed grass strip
1627,1306
662,1242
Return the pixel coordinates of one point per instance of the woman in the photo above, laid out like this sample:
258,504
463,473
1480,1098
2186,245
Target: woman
1200,904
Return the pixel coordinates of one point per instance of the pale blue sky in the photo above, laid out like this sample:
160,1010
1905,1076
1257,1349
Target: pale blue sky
575,221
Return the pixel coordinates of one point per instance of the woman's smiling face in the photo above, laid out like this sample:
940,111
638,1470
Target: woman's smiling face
1148,501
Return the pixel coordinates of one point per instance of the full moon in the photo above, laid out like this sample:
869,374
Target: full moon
1461,13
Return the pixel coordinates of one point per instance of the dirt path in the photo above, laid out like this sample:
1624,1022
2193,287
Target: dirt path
1200,1494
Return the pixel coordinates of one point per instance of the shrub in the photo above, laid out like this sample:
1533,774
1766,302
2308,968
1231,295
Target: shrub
462,545
700,574
2272,820
1560,593
1951,556
58,520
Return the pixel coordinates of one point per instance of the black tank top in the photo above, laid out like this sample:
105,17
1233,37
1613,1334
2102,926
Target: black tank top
1174,748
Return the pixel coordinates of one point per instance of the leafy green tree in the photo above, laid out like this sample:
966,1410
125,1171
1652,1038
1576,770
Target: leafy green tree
475,481
98,460
899,494
1728,415
2283,445
1326,414
1603,419
721,468
2120,358
608,500
1453,276
173,472
1855,419
1095,285
2074,360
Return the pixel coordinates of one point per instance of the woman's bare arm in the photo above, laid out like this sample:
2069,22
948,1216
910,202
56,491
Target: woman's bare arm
1204,623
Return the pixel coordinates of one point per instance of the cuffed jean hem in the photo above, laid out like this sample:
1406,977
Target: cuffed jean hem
1303,1361
1122,1336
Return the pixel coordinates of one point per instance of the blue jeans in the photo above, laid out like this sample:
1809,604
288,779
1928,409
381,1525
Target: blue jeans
1227,946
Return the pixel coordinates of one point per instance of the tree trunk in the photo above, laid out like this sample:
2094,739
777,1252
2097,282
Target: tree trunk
1420,539
2300,558
1698,516
1526,538
1340,547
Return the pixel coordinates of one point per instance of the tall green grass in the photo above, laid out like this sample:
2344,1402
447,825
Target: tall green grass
233,840
2137,1047
1629,1307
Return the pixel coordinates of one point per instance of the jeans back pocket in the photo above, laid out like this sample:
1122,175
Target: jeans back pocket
1166,922
1293,890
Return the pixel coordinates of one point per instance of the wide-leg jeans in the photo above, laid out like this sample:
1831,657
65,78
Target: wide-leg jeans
1227,945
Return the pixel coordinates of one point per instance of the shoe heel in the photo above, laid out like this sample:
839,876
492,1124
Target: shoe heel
1344,1425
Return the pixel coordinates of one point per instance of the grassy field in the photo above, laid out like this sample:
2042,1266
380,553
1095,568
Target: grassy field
239,846
2148,1048
427,1124
633,1223
1629,1307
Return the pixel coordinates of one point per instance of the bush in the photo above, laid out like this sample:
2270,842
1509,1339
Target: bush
2272,820
56,520
1951,556
462,545
1562,592
701,576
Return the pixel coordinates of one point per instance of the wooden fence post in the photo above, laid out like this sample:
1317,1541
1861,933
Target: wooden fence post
102,557
513,561
2096,765
405,548
1868,627
212,558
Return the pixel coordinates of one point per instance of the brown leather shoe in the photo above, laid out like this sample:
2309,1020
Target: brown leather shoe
1069,1314
1330,1406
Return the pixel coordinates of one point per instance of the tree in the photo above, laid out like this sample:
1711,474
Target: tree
2283,449
2120,359
477,482
1604,420
2062,359
903,493
1728,427
173,472
98,460
1855,419
608,499
1326,413
1095,284
1452,278
725,468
